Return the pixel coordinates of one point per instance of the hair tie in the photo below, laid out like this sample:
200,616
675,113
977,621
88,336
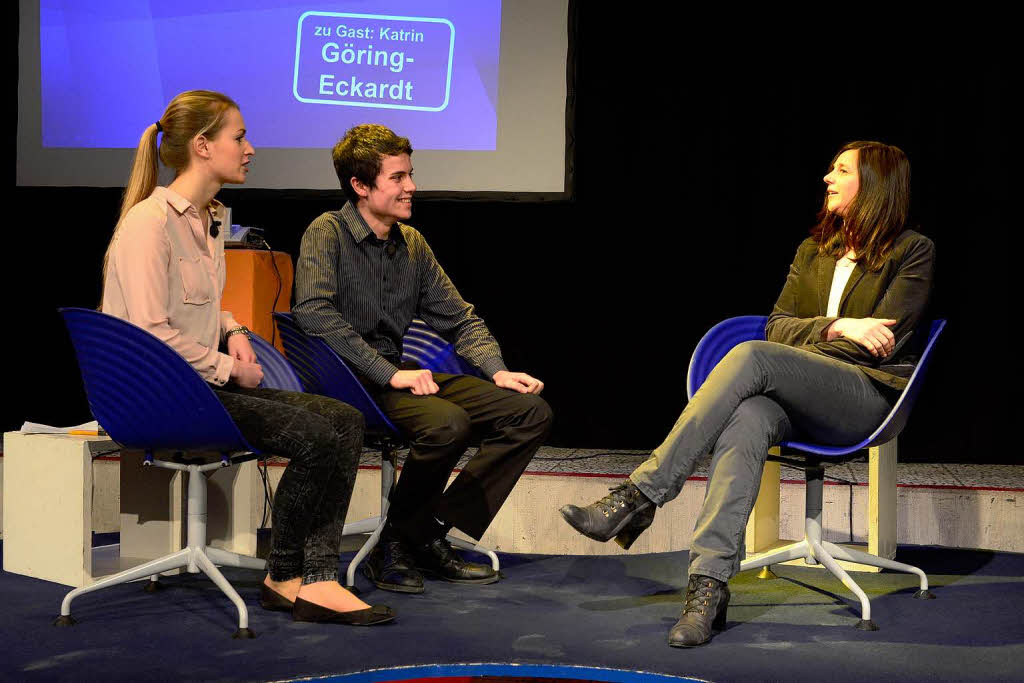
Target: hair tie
159,128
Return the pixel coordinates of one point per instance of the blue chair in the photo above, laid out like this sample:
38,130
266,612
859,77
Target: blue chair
322,371
147,397
711,349
422,345
277,371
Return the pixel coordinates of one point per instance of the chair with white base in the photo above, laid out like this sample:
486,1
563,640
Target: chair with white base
322,371
147,397
812,548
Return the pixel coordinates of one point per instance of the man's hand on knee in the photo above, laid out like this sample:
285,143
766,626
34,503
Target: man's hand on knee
518,381
419,382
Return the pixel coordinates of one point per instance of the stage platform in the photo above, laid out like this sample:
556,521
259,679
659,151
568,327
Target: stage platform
610,613
950,505
566,602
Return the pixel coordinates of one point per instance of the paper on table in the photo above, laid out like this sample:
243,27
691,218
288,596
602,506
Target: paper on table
33,428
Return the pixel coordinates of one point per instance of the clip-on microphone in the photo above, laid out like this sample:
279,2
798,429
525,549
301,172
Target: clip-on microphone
214,225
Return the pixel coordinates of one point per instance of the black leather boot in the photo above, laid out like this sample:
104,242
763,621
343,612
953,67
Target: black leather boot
389,566
707,600
625,512
440,560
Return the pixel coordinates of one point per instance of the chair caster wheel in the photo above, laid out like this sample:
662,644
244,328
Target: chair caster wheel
65,620
866,625
924,595
153,587
244,634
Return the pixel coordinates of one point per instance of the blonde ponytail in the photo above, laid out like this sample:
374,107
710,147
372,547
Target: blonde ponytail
192,113
141,184
142,180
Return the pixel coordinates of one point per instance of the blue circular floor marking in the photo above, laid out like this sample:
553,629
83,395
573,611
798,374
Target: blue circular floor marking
427,671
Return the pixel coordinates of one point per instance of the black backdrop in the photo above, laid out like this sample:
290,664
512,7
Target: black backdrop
698,171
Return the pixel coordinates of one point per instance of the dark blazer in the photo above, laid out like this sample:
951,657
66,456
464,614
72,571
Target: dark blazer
898,290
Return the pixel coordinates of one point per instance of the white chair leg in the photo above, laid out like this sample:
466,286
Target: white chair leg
226,558
154,584
470,545
371,543
363,526
150,569
854,555
792,551
865,623
208,568
372,525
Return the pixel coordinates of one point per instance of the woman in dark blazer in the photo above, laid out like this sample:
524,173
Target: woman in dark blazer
834,363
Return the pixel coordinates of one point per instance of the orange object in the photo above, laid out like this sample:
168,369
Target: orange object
251,288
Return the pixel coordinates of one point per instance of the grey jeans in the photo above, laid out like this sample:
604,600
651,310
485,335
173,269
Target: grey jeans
760,394
322,438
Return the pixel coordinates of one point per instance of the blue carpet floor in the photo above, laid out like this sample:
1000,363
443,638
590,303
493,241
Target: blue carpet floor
609,612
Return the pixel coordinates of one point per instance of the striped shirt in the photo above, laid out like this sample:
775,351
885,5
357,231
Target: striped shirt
359,294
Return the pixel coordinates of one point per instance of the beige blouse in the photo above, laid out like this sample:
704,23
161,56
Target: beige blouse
166,275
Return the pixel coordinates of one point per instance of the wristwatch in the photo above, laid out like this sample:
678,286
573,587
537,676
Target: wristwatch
241,329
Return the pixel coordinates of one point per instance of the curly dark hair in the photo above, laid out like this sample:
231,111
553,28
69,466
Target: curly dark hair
359,153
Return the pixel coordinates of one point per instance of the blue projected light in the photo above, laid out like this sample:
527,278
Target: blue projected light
423,59
425,672
425,68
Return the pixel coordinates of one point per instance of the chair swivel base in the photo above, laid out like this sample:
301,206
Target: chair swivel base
826,553
194,559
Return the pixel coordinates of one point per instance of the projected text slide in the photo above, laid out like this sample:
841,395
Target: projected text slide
365,60
302,74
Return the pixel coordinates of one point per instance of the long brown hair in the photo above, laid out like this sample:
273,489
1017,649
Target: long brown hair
878,212
192,113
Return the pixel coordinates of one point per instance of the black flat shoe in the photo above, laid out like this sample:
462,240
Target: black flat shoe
624,512
311,612
272,600
440,560
390,568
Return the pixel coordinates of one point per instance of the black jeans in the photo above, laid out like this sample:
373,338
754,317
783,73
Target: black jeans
322,439
510,427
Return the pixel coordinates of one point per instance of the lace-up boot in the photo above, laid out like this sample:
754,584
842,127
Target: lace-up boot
389,566
625,512
704,614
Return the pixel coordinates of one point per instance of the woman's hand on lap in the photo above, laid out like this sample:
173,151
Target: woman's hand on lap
247,375
239,348
871,333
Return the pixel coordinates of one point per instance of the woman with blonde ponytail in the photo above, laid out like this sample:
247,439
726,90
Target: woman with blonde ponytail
164,271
